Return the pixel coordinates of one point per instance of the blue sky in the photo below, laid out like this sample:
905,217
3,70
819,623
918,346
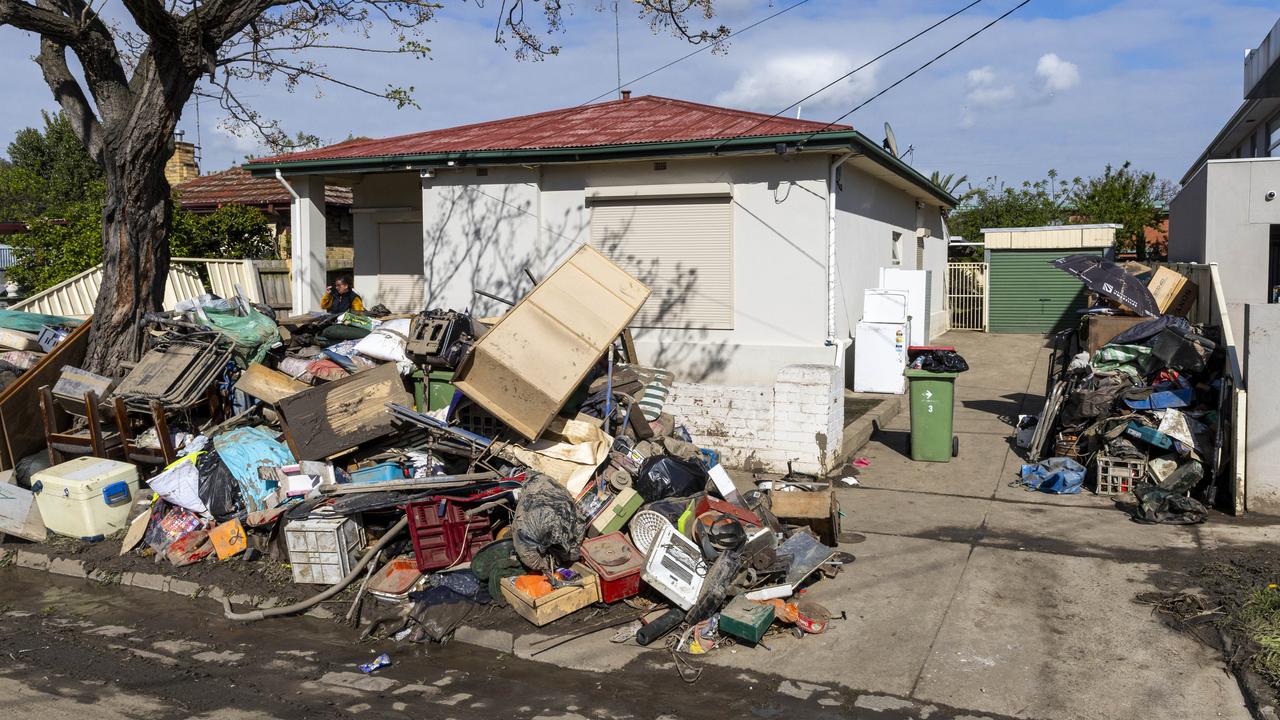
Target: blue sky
1064,84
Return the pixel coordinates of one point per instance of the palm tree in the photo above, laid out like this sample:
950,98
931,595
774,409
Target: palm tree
951,183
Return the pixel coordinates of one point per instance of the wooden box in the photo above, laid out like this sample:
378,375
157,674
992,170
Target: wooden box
1099,329
557,603
818,511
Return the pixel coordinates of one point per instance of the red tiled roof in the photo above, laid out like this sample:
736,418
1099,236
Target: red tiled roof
645,119
237,187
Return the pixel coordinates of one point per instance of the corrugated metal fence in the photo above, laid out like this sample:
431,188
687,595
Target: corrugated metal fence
76,296
967,295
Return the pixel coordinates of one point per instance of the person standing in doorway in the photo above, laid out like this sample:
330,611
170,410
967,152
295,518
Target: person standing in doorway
340,297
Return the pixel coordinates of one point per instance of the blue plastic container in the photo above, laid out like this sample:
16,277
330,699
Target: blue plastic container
382,472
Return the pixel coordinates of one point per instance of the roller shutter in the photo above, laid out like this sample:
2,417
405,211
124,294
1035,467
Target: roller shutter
1028,295
682,248
401,283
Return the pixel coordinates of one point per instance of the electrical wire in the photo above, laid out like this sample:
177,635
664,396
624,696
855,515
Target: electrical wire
856,70
700,49
909,75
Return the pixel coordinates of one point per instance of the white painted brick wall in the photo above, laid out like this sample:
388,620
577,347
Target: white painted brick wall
799,418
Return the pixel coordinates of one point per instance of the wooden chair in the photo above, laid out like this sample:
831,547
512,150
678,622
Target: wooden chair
91,440
133,451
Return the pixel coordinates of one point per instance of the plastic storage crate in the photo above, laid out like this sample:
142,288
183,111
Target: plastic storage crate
322,550
1119,475
443,536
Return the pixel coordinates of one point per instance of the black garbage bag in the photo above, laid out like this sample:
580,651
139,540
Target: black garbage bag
1146,330
218,489
663,476
1187,351
948,361
548,527
1168,502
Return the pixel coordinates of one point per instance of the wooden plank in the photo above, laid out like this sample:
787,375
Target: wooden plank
629,347
525,368
268,385
323,421
20,402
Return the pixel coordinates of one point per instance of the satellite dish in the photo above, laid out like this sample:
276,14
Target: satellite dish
890,142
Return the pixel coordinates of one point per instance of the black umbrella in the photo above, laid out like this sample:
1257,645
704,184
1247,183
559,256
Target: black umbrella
1109,279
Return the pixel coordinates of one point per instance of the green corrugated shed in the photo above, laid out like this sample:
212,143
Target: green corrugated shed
1029,295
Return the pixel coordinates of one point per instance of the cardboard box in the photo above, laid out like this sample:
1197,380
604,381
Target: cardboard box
817,511
555,604
1099,329
1174,293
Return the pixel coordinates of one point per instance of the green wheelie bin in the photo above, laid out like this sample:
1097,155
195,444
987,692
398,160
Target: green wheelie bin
932,415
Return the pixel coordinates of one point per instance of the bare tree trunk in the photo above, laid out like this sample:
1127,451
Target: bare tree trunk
136,219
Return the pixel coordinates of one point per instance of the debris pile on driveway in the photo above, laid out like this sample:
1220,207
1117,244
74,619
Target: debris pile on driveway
1135,401
435,462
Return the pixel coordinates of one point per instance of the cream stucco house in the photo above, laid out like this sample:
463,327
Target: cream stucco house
757,235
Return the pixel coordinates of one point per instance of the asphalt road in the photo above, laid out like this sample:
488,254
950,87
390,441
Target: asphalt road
72,649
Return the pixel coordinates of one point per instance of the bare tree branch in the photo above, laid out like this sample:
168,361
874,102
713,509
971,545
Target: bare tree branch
45,21
69,94
154,20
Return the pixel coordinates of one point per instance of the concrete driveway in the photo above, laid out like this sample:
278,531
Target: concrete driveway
975,594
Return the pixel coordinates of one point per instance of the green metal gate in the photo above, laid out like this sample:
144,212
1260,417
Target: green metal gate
1029,295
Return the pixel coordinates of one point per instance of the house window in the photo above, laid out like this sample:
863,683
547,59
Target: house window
1273,138
897,248
681,248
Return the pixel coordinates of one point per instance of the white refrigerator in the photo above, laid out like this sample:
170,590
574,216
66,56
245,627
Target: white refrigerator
880,344
917,285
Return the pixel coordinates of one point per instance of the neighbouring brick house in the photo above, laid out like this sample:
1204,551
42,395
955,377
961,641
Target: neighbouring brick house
206,193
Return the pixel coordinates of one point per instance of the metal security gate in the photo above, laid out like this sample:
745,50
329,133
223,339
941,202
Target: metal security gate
967,295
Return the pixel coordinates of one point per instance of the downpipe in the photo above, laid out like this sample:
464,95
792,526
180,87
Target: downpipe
839,345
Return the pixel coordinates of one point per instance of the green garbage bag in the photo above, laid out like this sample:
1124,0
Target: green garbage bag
1135,360
253,333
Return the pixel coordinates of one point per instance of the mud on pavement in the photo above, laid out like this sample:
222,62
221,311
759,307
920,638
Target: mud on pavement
71,641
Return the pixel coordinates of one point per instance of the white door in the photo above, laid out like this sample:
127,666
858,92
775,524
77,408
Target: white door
401,282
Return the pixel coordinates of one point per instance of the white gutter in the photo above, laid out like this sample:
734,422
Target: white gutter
832,341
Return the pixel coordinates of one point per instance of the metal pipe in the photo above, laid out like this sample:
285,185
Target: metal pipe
498,298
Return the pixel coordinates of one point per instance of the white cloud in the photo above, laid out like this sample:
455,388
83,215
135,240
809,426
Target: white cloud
983,93
785,79
985,75
1058,74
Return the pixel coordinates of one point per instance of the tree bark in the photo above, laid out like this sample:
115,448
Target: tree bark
136,218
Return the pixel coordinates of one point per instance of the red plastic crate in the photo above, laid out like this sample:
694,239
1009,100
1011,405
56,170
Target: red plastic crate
443,536
617,562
